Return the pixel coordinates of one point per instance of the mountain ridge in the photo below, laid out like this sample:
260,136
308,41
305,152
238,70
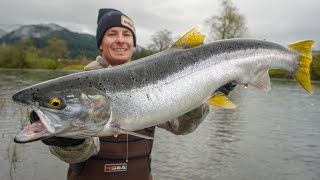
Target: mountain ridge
78,44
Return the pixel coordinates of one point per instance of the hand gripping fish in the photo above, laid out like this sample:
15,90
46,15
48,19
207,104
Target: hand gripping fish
157,88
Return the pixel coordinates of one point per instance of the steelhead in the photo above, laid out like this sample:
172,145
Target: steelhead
157,88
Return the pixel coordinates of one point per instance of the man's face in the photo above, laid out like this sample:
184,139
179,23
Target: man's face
117,45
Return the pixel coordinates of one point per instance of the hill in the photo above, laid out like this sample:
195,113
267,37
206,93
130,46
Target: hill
2,32
78,44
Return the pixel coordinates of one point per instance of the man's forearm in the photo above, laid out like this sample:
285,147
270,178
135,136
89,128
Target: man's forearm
79,153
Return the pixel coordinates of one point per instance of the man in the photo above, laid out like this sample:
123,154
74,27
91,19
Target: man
121,157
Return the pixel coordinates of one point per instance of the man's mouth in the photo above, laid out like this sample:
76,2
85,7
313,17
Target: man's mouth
120,49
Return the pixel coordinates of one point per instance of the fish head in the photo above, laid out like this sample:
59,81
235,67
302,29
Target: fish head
76,112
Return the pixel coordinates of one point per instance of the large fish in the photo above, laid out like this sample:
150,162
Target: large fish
157,88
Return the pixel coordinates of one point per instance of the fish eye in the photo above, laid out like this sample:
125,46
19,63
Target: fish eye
55,103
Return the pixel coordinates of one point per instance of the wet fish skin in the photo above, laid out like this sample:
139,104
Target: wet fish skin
154,89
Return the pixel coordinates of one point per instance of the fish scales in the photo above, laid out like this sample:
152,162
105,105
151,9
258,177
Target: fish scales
154,89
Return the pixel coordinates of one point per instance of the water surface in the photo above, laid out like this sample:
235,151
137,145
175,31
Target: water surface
273,135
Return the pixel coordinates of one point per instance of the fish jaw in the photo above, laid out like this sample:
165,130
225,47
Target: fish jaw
41,128
33,132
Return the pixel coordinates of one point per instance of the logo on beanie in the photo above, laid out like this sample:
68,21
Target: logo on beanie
125,21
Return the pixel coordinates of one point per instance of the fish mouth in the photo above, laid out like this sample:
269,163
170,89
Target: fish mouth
39,128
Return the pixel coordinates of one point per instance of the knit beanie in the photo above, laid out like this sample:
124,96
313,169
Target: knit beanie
108,18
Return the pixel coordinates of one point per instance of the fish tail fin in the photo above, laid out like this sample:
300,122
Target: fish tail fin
302,74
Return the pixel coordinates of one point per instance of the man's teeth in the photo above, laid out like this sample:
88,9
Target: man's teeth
120,50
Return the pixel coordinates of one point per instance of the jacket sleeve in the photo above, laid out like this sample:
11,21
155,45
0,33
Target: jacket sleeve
79,153
188,122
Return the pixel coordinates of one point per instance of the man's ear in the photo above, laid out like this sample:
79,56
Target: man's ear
100,47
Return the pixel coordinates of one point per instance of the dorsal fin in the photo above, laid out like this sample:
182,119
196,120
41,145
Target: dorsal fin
191,39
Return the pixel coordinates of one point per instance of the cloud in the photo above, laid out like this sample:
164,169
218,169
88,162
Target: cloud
279,21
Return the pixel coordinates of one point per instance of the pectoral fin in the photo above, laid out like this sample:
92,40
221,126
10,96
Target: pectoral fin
222,101
119,130
262,82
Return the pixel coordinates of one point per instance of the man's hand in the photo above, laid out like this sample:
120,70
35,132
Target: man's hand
56,141
225,89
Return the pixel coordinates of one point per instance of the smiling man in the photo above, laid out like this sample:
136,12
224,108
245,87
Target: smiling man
121,157
118,157
117,45
115,38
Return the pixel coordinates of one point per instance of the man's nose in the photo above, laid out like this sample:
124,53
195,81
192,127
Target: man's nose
121,39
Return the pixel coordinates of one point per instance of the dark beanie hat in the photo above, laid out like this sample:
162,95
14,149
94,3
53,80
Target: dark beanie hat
108,18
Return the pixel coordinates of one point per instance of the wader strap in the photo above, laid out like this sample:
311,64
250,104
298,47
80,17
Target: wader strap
77,167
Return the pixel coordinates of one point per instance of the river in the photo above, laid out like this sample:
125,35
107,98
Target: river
273,135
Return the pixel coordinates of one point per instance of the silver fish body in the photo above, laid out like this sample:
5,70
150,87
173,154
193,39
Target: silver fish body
152,90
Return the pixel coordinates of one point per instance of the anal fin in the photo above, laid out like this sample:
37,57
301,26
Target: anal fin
262,82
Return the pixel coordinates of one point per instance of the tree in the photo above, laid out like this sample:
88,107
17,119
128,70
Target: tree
161,40
228,24
56,48
137,54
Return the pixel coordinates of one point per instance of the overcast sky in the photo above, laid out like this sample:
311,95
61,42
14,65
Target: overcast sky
281,21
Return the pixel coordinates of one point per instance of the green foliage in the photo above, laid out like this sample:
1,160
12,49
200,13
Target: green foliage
74,67
315,66
42,63
12,57
73,64
142,53
277,73
56,48
24,55
78,45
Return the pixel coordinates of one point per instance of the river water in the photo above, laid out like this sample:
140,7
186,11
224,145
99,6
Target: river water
273,135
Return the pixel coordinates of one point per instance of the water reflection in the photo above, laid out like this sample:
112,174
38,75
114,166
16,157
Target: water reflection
23,161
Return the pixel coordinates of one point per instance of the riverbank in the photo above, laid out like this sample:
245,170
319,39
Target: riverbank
79,64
